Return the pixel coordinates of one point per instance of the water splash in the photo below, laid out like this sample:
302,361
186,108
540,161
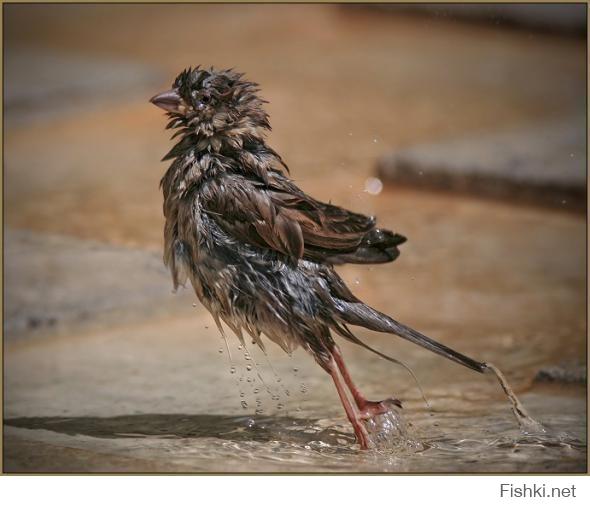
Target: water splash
527,424
389,431
373,186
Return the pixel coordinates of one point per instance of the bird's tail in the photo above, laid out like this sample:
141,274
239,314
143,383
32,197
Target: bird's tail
357,313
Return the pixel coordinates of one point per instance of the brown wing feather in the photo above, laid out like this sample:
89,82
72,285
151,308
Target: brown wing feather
276,214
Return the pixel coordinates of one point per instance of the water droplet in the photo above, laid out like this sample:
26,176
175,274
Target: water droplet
247,357
280,406
279,380
244,404
295,369
287,393
250,380
275,397
256,390
240,347
571,155
350,134
303,388
375,141
232,369
248,367
259,411
194,304
250,423
564,201
242,394
373,185
357,281
220,350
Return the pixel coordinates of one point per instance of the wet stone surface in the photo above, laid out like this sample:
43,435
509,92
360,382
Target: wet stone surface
541,164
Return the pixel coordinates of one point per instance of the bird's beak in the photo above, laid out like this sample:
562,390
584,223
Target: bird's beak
168,100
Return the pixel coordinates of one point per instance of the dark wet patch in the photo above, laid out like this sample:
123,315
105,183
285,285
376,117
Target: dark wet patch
562,373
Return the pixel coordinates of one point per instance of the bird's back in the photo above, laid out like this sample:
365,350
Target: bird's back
273,213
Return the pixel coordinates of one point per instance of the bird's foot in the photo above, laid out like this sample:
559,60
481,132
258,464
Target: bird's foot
369,409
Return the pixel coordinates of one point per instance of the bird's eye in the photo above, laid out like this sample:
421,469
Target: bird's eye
202,102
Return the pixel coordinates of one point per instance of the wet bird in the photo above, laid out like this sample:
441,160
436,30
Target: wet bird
257,250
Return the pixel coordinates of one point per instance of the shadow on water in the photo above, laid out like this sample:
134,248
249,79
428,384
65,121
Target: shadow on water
231,428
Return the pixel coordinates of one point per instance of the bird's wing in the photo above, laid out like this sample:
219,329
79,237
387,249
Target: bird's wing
276,214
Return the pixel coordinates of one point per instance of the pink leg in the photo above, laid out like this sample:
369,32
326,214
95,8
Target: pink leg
359,430
366,407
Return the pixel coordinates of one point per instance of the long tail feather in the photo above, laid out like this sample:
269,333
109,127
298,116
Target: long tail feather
357,313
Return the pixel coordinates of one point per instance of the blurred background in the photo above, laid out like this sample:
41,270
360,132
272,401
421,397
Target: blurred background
462,127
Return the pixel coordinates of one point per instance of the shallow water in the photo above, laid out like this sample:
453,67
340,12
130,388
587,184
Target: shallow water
291,421
215,443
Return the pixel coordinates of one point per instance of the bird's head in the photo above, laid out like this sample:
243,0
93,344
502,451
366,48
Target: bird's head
211,103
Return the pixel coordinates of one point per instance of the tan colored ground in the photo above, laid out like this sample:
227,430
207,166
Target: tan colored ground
344,86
